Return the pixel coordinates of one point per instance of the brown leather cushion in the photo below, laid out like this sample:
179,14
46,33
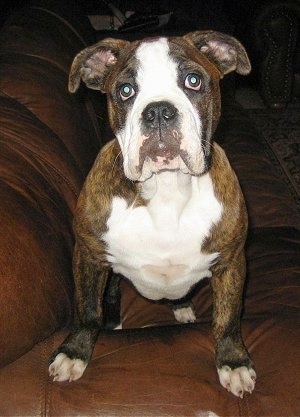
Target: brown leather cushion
167,371
48,142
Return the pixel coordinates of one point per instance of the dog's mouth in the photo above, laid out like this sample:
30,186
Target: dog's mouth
159,153
172,152
160,147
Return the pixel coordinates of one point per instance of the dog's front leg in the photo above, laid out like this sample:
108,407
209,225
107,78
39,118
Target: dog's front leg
235,368
69,361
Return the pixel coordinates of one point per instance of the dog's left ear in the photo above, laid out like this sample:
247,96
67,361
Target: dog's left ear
92,64
224,51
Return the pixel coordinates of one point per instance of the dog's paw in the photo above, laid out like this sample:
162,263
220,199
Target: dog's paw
238,380
184,314
65,369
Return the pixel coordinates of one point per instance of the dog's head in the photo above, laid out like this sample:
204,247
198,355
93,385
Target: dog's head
163,96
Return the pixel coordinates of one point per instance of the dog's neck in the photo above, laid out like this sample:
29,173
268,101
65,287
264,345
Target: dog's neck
164,183
168,193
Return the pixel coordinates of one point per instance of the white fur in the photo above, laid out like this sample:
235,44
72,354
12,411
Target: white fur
158,246
157,79
65,369
238,381
184,314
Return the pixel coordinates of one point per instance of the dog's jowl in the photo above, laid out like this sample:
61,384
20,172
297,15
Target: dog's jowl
161,205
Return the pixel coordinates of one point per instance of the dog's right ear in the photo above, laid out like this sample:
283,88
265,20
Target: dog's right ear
92,63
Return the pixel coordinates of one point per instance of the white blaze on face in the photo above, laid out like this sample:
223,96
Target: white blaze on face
158,80
157,74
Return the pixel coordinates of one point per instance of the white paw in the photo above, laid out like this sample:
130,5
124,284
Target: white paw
184,314
238,380
65,369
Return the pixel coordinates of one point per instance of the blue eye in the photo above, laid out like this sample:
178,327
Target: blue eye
126,91
193,82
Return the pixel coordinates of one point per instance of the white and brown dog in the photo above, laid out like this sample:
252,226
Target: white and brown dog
161,205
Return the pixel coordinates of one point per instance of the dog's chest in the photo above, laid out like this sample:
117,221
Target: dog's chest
158,247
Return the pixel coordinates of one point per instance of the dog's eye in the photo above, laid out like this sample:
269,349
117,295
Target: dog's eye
193,82
126,91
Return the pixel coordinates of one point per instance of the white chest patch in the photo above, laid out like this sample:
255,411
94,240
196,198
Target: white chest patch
158,246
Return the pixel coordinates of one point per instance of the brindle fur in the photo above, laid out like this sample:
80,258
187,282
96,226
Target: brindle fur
107,179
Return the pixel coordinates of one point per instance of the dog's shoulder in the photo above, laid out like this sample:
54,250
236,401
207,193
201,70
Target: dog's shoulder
234,216
105,181
226,183
108,165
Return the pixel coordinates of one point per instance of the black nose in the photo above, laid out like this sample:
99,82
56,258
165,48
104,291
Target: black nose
159,113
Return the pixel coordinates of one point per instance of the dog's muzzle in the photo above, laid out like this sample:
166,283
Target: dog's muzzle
160,135
160,121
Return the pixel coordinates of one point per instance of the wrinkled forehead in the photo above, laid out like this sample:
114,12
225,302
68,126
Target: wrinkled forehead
156,64
161,61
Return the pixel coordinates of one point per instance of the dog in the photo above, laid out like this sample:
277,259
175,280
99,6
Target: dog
161,205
